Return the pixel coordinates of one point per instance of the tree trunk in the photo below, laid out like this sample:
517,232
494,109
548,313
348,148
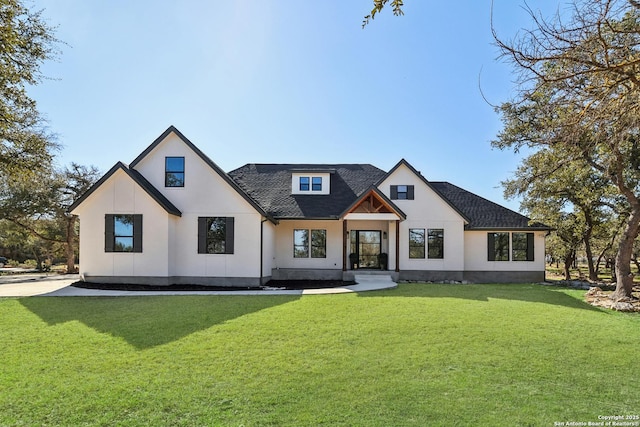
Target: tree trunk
624,277
593,274
70,244
635,261
568,260
38,260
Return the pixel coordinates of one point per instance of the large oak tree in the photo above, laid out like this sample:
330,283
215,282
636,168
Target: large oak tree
551,185
39,204
579,94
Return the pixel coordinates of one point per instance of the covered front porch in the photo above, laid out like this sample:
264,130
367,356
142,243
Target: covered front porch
371,235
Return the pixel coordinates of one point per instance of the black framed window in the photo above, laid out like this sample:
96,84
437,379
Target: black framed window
318,243
174,172
309,242
522,246
402,192
416,243
316,183
216,235
435,243
304,183
498,246
301,243
123,233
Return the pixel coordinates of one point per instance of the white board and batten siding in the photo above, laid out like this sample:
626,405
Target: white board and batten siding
427,211
121,195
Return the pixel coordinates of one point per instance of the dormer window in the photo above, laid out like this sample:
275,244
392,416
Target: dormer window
304,183
174,172
316,183
308,182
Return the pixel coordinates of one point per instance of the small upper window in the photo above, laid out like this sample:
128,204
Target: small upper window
316,183
174,172
402,192
304,183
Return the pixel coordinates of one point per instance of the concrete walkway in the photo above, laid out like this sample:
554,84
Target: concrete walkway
59,286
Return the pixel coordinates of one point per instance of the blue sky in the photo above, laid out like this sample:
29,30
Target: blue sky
286,81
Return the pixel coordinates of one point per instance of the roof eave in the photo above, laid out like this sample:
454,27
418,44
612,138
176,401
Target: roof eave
208,161
138,179
427,183
307,218
378,193
534,228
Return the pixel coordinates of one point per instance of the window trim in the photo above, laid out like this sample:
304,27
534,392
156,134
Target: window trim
203,235
528,247
491,246
396,194
310,244
110,235
430,237
422,247
300,249
510,248
172,172
304,186
316,186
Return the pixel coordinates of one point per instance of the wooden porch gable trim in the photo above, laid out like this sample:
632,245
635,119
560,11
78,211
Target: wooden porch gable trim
374,202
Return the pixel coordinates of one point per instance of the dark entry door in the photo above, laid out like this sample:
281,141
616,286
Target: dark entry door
369,247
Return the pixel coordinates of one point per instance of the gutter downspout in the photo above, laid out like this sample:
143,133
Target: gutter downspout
262,248
397,246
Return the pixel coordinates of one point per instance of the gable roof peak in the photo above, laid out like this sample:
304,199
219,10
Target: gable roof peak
206,159
404,162
139,180
158,140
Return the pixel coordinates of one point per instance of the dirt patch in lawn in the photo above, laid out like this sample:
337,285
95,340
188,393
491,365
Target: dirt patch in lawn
602,298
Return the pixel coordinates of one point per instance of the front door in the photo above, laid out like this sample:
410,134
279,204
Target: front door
369,246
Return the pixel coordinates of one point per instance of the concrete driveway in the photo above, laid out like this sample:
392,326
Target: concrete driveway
31,284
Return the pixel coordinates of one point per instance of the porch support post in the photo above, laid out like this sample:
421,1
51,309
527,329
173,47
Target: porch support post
344,245
397,245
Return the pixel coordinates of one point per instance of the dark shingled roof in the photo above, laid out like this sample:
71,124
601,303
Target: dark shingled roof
138,179
270,186
482,213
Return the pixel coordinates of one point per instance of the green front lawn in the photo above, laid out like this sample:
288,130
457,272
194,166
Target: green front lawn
417,355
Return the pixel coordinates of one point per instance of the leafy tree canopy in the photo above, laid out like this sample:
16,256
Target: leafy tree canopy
378,5
579,94
26,41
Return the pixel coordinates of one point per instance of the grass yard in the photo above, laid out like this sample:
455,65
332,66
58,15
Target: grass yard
437,355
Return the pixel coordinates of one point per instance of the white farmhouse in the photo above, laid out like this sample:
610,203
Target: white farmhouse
173,216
